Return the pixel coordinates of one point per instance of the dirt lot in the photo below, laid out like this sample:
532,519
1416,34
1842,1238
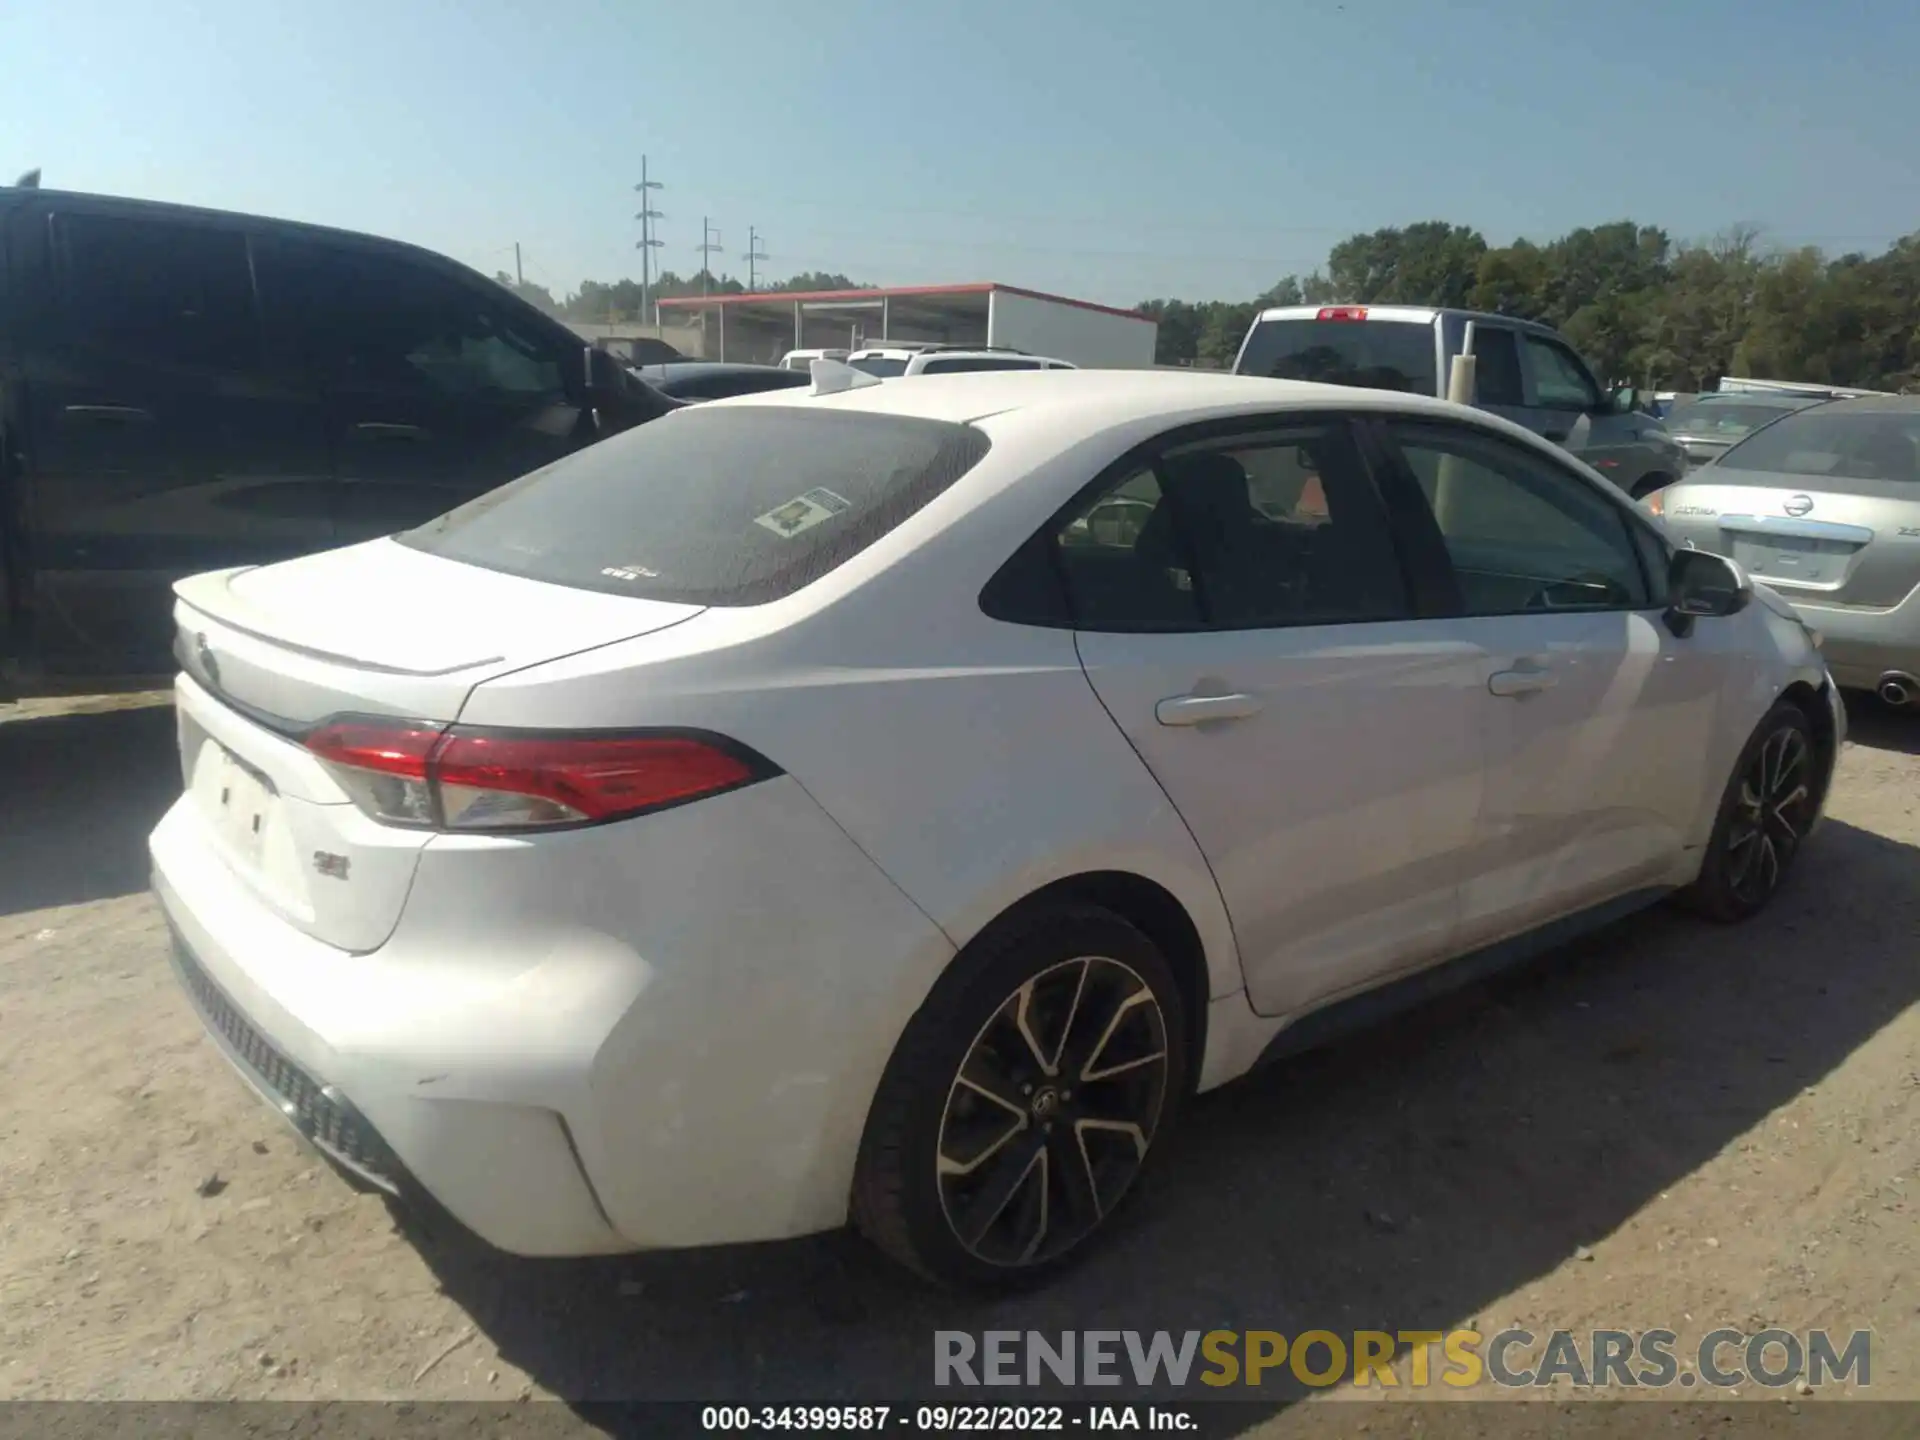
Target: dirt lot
1667,1125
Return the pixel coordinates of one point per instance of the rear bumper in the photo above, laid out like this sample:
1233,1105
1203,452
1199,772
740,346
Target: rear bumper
658,1034
1861,646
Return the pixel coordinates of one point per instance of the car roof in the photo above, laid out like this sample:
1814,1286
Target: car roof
171,210
1872,405
1407,314
1097,399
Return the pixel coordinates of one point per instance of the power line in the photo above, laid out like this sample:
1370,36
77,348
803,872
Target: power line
648,242
754,255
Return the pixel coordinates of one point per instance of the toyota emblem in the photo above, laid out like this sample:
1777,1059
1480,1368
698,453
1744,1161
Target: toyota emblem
1799,505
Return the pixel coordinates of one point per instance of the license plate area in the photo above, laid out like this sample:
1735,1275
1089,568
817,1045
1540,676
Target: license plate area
239,804
1793,559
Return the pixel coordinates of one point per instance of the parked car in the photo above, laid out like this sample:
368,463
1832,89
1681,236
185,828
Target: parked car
1823,504
697,380
182,389
801,359
1707,424
1525,372
787,812
892,361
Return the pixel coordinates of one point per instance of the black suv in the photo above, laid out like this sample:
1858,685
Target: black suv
182,390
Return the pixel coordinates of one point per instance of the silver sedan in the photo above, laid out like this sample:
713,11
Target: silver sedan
1823,504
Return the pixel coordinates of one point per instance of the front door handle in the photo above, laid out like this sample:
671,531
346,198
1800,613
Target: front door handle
381,430
1199,709
1524,680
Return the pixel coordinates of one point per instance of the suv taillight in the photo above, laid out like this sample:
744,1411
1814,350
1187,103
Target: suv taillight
470,779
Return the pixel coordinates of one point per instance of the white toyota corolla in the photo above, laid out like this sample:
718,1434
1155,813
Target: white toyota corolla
888,802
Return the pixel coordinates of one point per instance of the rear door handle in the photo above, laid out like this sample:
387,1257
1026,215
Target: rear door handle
381,430
109,414
1523,680
1199,709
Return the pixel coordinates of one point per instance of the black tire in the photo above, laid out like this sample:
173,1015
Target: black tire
940,1148
1764,816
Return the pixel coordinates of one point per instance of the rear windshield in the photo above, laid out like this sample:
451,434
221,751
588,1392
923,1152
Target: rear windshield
1721,418
885,366
710,507
1374,354
1835,442
976,362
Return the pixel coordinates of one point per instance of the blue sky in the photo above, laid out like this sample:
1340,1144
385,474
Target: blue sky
1109,149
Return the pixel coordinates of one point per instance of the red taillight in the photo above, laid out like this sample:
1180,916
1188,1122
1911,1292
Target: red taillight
1342,312
473,779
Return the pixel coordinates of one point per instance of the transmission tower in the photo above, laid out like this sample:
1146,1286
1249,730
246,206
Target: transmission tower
753,257
648,241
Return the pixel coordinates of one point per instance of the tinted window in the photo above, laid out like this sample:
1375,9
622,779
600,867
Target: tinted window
165,293
1560,382
362,318
1377,354
1523,533
1860,441
1496,371
885,366
976,362
1277,529
711,507
718,387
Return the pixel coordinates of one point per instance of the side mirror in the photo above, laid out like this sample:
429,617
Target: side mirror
1625,400
1701,584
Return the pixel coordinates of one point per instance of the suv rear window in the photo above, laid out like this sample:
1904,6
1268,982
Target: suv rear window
710,507
1372,354
885,366
976,362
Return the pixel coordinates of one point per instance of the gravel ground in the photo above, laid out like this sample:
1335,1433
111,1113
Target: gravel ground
1666,1125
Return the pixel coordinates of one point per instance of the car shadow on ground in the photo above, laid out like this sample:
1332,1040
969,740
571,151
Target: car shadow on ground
80,794
1404,1179
1880,727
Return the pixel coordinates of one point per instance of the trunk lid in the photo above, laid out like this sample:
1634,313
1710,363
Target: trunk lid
374,629
1817,546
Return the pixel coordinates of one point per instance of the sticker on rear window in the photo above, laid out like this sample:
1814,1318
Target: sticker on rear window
803,512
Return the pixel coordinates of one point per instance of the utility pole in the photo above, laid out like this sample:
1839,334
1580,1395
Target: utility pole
648,242
708,247
519,276
753,256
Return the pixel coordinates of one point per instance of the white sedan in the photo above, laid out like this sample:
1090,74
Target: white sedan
790,811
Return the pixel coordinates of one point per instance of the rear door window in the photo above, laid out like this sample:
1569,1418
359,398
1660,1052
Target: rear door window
711,507
1374,354
1496,377
157,292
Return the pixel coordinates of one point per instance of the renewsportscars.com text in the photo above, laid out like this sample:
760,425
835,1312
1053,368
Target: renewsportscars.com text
1416,1359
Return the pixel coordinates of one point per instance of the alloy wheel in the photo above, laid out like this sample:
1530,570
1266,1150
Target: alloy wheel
1052,1112
1770,814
